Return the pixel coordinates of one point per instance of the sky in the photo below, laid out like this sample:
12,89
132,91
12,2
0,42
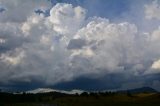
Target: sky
79,44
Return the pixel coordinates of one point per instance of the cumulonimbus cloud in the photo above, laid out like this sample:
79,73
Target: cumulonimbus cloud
67,45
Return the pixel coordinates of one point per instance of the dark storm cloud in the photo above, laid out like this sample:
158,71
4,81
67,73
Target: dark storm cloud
119,82
2,10
76,44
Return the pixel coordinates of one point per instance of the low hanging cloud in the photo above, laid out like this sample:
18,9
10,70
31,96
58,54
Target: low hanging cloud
67,45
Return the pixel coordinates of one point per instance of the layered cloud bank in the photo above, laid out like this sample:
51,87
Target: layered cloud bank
67,44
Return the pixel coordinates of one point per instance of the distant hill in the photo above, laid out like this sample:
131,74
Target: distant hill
140,90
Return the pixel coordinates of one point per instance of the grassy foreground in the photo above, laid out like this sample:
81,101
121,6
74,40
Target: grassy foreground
117,99
113,100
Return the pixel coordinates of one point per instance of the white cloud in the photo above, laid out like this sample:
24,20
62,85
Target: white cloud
13,58
66,45
20,10
2,40
155,44
155,68
152,10
67,19
112,44
45,39
156,65
32,23
156,35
